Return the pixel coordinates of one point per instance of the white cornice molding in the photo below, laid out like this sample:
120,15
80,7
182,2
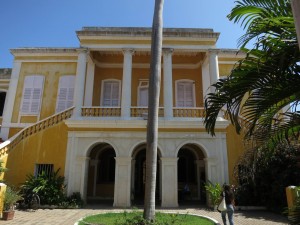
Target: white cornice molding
44,51
147,47
131,124
146,65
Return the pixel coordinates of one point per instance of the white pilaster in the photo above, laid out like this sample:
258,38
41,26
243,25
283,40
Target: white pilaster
168,84
213,67
169,196
10,100
79,83
126,83
122,182
89,85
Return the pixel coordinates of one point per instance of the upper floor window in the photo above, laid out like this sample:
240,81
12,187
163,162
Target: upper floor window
185,93
32,94
65,95
143,93
110,94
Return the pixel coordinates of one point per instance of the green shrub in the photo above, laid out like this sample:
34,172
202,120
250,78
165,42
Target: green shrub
50,188
214,192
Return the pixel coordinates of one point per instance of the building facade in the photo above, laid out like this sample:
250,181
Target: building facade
84,111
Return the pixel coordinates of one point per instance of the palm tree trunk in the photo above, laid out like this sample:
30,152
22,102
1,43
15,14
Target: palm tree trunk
296,13
153,104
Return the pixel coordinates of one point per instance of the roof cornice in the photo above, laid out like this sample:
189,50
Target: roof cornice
189,33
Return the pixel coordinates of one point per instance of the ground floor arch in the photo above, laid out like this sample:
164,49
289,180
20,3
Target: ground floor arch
101,173
138,176
191,173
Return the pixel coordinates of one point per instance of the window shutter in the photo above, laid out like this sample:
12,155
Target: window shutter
180,95
32,95
65,96
111,93
143,96
185,94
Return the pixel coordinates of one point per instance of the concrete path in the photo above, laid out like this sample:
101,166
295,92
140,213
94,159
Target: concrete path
71,216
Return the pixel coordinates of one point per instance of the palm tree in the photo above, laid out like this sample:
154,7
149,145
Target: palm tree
152,126
263,88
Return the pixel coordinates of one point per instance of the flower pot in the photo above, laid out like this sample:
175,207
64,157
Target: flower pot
8,215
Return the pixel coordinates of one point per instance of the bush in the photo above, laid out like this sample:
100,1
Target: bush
214,191
50,188
264,176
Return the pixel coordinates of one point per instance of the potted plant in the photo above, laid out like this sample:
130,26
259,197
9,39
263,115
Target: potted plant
11,196
214,193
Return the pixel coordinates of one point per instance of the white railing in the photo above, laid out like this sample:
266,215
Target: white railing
100,111
50,121
189,112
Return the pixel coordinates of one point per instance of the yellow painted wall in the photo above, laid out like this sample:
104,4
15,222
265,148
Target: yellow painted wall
28,119
13,131
235,148
225,69
52,72
48,146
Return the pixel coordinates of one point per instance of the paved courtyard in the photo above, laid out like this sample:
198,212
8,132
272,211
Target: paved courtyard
70,216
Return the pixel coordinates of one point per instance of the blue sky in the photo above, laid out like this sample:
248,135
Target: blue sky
52,23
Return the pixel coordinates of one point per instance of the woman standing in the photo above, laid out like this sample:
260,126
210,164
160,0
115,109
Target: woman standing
229,199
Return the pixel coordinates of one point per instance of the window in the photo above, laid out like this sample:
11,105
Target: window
110,93
65,95
43,168
32,93
185,93
143,93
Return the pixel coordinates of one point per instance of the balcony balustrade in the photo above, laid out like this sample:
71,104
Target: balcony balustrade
141,112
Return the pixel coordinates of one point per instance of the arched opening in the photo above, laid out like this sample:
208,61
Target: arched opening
139,177
191,174
101,173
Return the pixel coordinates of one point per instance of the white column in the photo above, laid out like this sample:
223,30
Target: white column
205,77
126,83
95,164
168,84
213,67
199,164
84,176
132,179
169,196
89,85
79,83
122,182
10,100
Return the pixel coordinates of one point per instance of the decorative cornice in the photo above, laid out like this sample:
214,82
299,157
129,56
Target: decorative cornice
42,50
146,32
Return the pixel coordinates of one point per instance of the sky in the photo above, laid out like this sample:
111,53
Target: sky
52,23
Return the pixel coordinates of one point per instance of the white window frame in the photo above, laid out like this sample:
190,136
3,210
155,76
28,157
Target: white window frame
31,99
102,92
143,83
68,90
193,91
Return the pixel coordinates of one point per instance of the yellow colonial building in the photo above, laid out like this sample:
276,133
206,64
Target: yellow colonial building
84,111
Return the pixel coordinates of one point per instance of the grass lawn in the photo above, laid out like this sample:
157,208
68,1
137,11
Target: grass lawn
161,219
